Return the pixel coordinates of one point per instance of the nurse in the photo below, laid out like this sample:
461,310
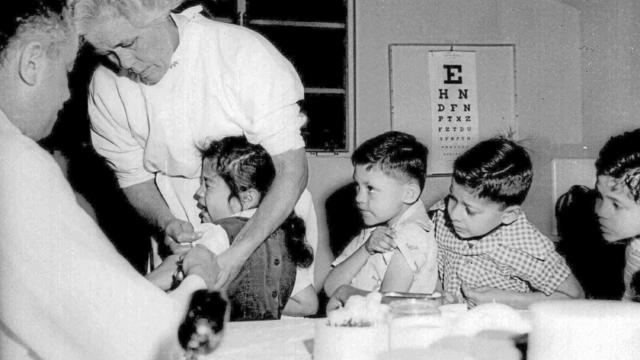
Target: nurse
176,82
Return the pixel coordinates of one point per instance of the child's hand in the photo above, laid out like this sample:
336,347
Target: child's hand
381,240
485,294
340,296
333,304
178,236
449,298
162,275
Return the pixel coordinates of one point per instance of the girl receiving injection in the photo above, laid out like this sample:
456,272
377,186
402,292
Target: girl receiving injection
273,282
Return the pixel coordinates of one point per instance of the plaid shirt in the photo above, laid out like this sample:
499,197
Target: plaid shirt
514,257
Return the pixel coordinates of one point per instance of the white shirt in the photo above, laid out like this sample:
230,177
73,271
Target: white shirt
66,292
415,241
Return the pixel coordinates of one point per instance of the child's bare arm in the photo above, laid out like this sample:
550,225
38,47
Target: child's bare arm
342,294
399,275
303,303
380,241
568,289
345,271
571,288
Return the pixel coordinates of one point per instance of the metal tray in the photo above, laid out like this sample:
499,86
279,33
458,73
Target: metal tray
394,295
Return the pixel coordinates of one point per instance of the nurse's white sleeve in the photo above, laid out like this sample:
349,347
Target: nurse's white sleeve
111,132
268,91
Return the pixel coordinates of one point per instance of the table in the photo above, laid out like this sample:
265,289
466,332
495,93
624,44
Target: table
285,339
292,339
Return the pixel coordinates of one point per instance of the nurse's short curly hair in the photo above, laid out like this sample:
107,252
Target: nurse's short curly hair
139,13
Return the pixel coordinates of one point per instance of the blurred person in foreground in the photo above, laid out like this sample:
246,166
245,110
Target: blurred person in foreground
66,292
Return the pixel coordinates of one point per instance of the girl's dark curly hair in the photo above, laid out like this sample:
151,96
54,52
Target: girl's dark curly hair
244,166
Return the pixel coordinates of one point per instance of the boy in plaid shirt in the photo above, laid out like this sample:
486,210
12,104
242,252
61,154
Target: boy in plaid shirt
487,249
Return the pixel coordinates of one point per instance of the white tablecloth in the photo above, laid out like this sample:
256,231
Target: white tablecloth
286,339
292,339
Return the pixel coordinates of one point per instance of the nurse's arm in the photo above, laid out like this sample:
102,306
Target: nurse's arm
148,202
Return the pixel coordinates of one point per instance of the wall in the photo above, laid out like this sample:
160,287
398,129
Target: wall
610,67
575,79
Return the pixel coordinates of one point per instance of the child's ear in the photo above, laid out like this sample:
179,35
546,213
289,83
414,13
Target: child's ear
32,63
510,214
250,198
411,193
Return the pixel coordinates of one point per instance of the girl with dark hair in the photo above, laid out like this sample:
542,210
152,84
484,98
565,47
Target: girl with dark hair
236,175
583,246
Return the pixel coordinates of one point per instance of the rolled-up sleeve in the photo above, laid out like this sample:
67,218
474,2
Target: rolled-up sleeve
284,133
110,130
269,90
415,244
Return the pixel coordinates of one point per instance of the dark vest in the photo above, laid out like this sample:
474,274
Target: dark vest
266,279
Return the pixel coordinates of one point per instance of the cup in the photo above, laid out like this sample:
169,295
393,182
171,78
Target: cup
415,323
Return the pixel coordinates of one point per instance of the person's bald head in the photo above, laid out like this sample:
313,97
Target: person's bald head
38,44
43,20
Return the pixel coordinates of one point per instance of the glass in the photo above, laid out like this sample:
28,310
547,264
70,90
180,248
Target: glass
415,323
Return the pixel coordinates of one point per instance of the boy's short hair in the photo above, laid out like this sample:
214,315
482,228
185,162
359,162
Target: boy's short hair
620,159
498,169
396,154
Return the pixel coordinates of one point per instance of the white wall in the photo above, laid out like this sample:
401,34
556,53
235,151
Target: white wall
576,79
610,68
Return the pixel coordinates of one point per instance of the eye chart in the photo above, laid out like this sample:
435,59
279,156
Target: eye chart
451,97
454,103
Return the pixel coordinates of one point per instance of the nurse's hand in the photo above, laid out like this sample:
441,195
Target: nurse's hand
178,236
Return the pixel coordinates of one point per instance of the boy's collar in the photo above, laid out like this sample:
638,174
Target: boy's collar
408,212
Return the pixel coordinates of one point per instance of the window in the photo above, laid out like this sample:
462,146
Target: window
315,35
